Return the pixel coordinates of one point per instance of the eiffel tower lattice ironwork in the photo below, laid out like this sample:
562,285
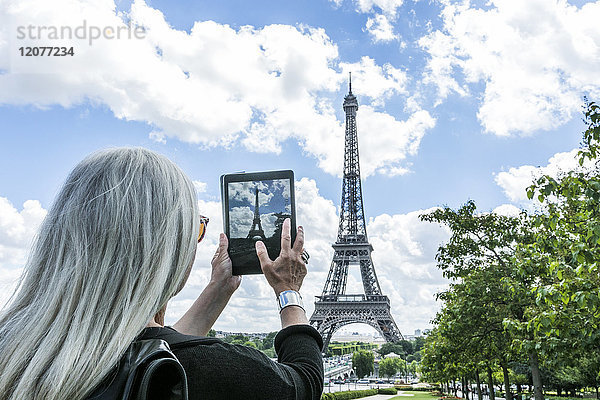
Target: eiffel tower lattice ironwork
256,230
334,308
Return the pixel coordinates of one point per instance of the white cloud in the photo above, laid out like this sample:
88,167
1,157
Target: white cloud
383,14
243,217
245,192
385,142
404,259
440,67
267,222
388,7
377,83
536,59
17,230
200,186
319,217
507,210
380,28
213,86
516,180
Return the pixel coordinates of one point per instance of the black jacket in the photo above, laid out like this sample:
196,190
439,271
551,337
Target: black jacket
218,370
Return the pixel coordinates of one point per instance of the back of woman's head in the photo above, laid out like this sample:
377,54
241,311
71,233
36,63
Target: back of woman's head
114,247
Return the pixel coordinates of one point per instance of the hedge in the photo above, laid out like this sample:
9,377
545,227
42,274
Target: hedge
387,391
415,389
348,395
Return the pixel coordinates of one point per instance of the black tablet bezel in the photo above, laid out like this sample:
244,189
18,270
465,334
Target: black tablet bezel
226,179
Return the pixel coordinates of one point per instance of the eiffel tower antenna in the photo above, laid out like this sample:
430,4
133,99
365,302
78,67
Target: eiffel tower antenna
350,83
334,308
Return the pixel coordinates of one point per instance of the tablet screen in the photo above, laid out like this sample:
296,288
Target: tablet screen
255,211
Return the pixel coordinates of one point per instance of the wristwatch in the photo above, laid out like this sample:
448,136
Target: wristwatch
289,298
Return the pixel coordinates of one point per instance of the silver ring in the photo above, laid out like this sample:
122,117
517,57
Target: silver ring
305,256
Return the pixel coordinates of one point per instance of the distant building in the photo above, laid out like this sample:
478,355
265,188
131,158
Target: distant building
418,333
223,334
347,336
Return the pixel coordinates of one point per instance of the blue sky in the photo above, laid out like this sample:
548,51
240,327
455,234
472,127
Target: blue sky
457,101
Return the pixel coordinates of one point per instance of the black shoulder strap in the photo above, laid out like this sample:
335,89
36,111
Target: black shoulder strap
163,379
147,371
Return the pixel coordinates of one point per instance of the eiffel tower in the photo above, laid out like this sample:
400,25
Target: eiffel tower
256,229
334,308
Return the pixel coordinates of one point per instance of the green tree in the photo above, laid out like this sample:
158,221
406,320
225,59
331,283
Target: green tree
250,343
212,333
486,289
268,340
438,364
568,241
388,367
525,289
564,259
407,346
390,347
270,352
363,363
589,365
412,367
236,339
419,343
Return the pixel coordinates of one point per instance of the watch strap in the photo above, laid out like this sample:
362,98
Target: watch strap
289,298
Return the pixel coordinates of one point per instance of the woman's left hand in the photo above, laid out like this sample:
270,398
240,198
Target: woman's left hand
222,268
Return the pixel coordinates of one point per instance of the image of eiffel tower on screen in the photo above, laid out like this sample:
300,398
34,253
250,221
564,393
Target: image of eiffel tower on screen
257,210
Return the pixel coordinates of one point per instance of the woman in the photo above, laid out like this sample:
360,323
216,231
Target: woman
117,244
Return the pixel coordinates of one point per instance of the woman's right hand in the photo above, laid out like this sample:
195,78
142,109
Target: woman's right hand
288,270
208,306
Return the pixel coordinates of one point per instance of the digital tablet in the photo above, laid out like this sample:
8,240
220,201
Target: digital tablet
254,207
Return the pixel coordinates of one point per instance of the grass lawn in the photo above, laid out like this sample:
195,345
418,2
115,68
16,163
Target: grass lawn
415,395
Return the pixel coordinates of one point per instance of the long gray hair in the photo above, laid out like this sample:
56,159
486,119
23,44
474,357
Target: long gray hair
114,248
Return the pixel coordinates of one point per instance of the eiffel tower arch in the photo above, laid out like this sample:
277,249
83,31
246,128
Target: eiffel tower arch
334,308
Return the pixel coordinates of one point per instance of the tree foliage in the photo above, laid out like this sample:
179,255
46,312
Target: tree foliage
363,363
389,367
523,298
388,348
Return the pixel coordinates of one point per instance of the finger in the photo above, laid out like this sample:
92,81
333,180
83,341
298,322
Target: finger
299,242
222,248
263,256
218,251
286,237
223,242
